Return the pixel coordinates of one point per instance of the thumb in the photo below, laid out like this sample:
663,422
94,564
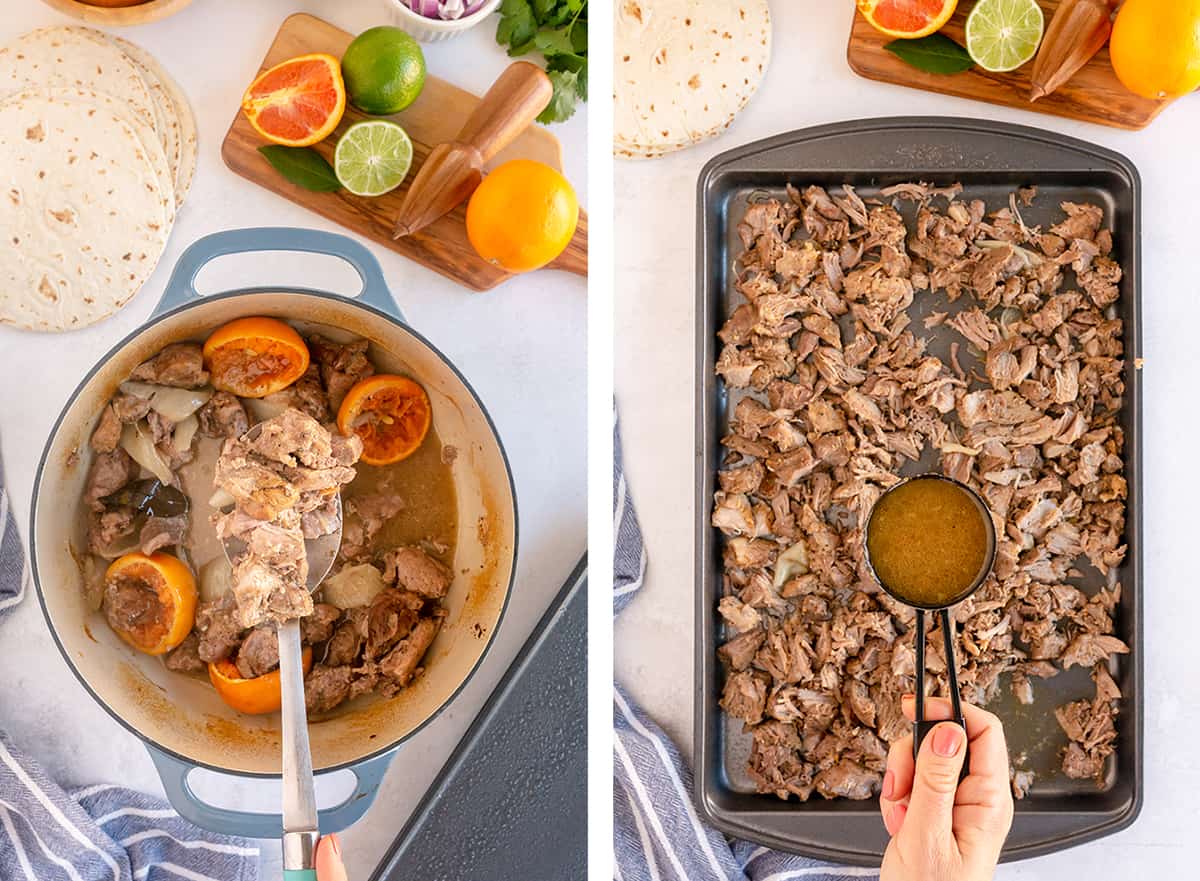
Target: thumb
931,804
329,859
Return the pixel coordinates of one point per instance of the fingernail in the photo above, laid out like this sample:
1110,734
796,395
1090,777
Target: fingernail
334,844
889,784
946,740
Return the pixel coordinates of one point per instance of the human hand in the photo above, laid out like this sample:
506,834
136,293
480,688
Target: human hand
943,829
329,859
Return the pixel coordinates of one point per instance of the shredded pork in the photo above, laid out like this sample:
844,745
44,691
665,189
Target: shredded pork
834,393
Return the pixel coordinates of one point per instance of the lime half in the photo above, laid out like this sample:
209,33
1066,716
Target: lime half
372,157
1004,34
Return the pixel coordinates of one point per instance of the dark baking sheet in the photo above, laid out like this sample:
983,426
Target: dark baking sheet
990,160
511,803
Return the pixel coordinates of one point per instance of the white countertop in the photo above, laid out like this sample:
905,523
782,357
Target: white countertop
808,84
523,346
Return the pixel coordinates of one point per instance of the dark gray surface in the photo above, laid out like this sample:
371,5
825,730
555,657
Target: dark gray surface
511,803
990,160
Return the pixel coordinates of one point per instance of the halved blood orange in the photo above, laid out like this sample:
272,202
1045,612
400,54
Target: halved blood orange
255,357
161,628
390,413
907,19
297,102
255,696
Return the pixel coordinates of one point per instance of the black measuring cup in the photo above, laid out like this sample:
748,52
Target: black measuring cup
923,726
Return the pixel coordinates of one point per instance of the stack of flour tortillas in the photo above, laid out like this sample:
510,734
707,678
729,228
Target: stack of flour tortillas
683,69
97,152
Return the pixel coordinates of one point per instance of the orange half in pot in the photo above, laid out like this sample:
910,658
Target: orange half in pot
256,696
255,357
390,413
175,589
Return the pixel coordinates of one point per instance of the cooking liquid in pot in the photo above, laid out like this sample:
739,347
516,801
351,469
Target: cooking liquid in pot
928,541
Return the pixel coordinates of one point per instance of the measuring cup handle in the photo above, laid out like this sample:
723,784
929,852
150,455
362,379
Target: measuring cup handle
923,726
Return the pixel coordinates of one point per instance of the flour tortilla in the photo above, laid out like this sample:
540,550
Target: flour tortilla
147,139
683,69
82,218
179,138
66,57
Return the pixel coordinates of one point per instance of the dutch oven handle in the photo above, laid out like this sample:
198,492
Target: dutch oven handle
248,824
181,288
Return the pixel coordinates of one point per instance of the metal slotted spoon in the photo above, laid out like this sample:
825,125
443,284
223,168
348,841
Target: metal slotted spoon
300,828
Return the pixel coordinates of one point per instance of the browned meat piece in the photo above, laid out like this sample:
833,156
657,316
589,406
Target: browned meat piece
848,779
223,416
179,364
414,570
219,629
131,605
342,365
163,532
185,657
400,666
319,626
307,395
294,439
745,696
129,408
259,653
110,532
325,687
108,431
344,645
109,472
390,618
1024,408
1088,649
739,651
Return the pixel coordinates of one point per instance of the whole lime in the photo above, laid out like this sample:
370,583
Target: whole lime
384,70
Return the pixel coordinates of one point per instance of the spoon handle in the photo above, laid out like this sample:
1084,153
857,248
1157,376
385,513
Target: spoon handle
300,830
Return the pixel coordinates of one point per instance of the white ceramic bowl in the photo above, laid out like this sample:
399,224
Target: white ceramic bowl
435,30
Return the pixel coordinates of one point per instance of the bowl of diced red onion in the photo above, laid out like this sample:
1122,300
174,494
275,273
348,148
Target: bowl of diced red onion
432,21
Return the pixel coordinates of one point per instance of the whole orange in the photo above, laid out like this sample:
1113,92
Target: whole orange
1155,47
522,216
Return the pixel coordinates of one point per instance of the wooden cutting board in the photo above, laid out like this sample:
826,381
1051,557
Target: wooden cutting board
435,117
1094,94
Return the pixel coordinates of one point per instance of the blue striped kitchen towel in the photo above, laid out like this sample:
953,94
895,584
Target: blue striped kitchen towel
101,833
658,836
13,575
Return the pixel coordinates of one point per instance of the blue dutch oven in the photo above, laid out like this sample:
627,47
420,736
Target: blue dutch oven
180,719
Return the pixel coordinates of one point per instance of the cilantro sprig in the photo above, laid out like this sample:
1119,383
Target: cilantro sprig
558,30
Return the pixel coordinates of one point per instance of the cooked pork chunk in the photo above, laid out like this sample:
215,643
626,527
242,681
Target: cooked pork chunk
223,416
342,365
414,570
179,364
275,478
835,392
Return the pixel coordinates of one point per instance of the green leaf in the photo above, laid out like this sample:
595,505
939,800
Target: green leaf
936,53
578,65
303,166
554,42
517,24
566,96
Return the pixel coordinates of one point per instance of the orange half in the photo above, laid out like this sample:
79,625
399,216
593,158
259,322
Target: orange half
907,19
254,357
390,413
175,587
256,696
297,102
